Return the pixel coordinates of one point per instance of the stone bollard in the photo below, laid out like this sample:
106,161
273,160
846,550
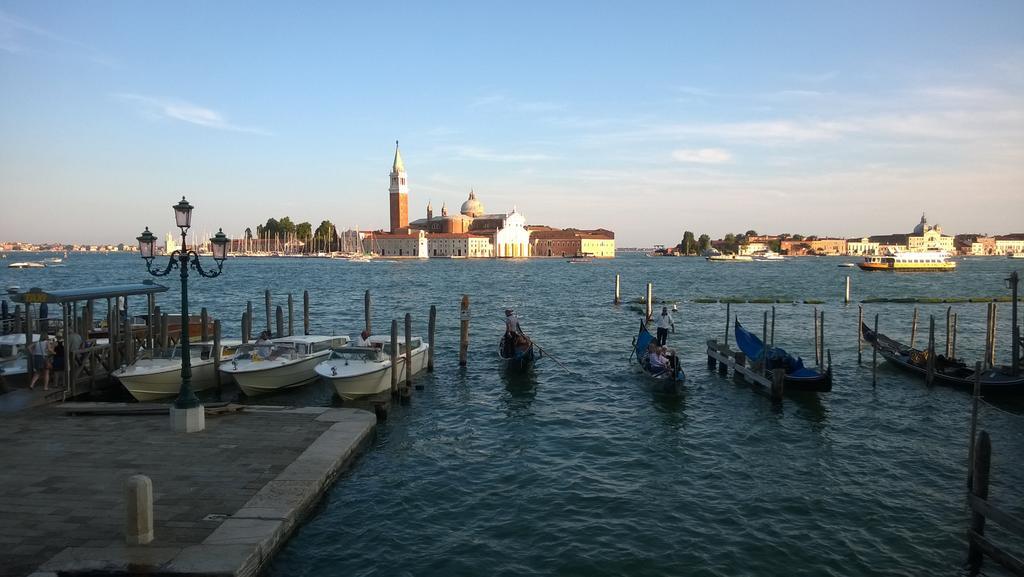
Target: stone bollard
138,493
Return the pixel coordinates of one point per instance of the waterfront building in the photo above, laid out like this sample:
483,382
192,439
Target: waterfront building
926,237
398,193
547,241
861,246
813,246
459,245
1009,244
404,243
169,244
753,247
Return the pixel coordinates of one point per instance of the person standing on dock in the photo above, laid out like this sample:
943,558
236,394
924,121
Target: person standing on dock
664,322
40,362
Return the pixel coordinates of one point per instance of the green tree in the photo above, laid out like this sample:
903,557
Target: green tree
285,227
689,245
729,242
798,237
703,242
304,231
272,229
750,233
248,233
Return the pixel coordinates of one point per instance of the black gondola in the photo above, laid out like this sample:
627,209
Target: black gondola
798,377
948,371
517,353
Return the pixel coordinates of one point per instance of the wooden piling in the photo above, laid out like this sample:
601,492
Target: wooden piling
618,296
949,325
741,361
979,488
952,348
291,315
279,317
204,317
817,349
163,331
266,302
712,345
847,299
464,330
28,339
929,377
17,320
975,399
913,328
728,318
821,336
366,312
150,310
249,316
408,353
778,380
874,356
650,305
860,332
129,341
305,312
112,335
764,341
244,328
995,332
772,343
431,326
216,356
394,356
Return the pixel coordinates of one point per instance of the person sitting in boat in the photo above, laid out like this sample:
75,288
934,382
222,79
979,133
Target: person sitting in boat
263,345
659,363
364,339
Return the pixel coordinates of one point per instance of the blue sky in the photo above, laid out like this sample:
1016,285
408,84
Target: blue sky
647,118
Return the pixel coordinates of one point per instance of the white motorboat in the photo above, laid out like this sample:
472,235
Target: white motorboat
281,364
26,265
729,258
159,375
14,354
363,371
766,255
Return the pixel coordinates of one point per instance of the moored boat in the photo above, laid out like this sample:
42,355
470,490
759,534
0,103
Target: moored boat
26,265
357,372
158,375
949,371
729,258
909,261
283,363
798,377
668,378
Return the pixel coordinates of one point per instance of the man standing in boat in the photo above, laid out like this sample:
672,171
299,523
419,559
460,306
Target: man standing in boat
664,322
512,331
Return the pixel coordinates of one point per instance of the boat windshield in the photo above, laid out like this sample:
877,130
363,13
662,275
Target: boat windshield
253,352
358,353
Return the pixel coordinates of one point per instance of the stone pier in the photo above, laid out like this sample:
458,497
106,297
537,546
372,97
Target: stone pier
224,499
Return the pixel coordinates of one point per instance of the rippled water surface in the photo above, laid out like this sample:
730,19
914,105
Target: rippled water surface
589,472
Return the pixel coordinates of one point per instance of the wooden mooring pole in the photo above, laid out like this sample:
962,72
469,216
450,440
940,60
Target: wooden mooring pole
464,331
929,377
995,325
979,488
216,356
847,298
949,326
874,356
952,347
618,294
728,318
431,326
650,305
821,336
975,398
367,325
913,329
291,315
764,347
244,328
248,313
1014,281
394,356
204,318
772,343
407,388
817,348
279,317
860,332
266,301
305,312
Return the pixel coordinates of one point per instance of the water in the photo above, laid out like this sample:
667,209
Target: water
593,474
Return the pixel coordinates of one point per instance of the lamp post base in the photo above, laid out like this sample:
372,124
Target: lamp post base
191,420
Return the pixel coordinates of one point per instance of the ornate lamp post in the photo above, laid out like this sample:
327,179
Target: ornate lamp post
187,414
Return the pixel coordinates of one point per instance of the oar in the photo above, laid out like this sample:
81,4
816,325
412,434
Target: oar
552,357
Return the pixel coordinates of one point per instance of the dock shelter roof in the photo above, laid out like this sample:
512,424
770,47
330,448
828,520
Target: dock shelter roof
38,295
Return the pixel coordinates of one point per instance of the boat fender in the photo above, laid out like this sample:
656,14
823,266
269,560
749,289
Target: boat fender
334,371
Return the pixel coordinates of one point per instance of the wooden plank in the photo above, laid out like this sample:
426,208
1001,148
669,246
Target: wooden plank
1007,560
991,513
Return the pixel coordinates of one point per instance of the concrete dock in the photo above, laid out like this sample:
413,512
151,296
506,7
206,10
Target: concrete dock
224,500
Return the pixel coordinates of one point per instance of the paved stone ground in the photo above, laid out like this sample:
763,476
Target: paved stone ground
62,477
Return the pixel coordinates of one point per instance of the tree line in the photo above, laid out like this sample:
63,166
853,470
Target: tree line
284,229
731,242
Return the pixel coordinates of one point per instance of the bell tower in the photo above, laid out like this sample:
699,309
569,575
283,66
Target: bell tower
398,193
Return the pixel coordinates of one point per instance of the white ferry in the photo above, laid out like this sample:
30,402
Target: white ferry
907,261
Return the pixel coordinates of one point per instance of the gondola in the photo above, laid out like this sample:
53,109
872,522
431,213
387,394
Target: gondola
798,377
517,355
948,371
669,379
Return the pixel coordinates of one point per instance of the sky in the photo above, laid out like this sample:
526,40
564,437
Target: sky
646,118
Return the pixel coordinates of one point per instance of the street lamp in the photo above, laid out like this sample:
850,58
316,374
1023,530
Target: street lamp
187,414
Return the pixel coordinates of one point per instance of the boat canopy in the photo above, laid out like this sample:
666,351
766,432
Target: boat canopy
38,295
777,357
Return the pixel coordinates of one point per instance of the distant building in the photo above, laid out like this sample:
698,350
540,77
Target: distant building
412,243
815,246
862,246
753,248
569,242
1009,244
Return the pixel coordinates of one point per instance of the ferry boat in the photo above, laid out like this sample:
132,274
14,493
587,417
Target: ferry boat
906,261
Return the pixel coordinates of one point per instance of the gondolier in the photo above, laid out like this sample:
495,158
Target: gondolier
664,323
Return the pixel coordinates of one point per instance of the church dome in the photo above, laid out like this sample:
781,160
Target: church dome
921,226
472,207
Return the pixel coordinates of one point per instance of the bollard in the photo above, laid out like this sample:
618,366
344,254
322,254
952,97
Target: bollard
618,297
464,331
138,492
204,332
291,315
305,312
430,338
741,361
394,356
17,320
280,321
366,312
129,342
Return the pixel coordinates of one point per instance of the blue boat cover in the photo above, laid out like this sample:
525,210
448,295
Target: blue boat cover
643,340
777,357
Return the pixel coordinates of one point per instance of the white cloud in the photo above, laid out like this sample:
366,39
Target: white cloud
186,112
702,155
19,36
